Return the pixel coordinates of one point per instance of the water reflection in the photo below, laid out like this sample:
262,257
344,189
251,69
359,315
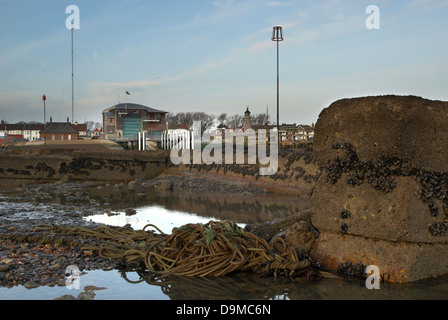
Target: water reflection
244,286
164,219
245,209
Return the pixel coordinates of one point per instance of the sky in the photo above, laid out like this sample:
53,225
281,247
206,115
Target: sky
217,56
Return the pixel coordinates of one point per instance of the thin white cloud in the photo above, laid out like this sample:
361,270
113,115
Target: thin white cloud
200,71
429,4
220,12
275,3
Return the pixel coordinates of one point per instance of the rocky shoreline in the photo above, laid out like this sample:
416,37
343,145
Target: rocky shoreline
198,184
31,263
24,260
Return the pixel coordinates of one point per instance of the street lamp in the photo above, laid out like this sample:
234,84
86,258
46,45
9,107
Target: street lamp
44,98
277,36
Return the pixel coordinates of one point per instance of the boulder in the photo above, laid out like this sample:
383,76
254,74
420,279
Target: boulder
399,215
397,261
295,230
382,197
410,128
300,236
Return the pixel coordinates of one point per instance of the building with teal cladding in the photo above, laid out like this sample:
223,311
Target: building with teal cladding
126,120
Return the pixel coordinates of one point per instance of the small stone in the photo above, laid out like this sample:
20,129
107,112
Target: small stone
31,285
55,267
86,295
7,261
4,267
66,297
130,212
61,283
93,288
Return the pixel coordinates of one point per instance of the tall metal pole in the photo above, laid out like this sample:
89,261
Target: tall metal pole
45,114
73,83
278,91
44,97
277,35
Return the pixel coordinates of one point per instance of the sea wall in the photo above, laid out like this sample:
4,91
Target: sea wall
297,173
382,198
81,165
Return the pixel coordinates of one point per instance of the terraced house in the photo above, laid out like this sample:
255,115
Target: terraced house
25,131
294,135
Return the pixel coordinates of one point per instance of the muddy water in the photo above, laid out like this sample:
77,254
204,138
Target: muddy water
116,204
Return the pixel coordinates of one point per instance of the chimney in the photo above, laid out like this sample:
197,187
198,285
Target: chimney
51,119
68,120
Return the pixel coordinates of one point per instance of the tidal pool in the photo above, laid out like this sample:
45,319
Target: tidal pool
110,204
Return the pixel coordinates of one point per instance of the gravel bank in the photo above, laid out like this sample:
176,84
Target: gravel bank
23,207
31,263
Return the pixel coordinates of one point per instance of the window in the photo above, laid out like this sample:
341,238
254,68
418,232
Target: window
154,116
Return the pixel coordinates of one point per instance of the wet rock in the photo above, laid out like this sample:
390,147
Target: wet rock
31,285
384,185
7,261
4,267
267,230
87,295
164,185
61,283
130,212
66,297
353,270
135,184
94,288
409,128
299,235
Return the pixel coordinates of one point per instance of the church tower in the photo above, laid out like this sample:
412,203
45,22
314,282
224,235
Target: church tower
246,120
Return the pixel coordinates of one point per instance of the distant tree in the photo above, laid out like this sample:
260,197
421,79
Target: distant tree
207,120
90,127
235,121
222,118
189,117
260,118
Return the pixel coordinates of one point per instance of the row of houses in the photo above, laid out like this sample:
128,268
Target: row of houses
50,131
126,121
296,135
290,135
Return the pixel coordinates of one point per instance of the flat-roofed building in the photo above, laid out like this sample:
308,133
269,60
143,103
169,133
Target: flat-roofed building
126,120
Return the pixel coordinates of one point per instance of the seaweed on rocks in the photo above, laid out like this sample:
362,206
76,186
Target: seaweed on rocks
345,214
352,270
380,175
439,228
